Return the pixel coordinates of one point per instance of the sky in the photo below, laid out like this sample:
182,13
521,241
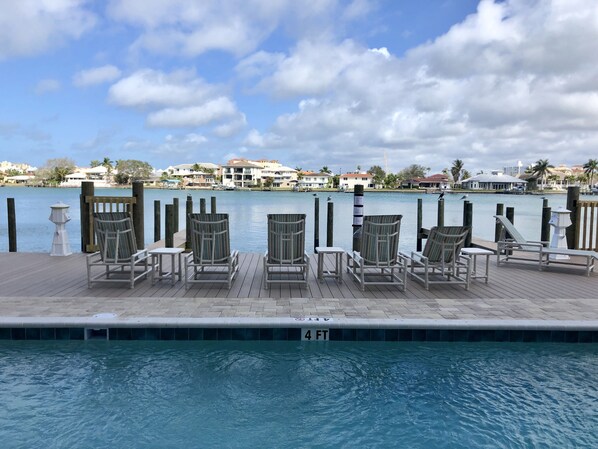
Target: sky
336,83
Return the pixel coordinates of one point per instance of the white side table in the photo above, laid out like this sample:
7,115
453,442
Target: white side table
176,255
337,252
474,253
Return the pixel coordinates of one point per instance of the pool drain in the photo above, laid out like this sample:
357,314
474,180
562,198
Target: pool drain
99,333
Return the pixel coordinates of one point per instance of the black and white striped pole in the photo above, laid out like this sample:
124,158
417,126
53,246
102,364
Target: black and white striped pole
357,216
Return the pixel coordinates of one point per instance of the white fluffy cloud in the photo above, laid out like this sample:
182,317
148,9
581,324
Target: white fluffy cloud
28,27
97,75
175,100
516,79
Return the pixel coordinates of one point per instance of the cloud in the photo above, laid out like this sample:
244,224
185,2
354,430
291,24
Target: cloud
178,99
29,27
47,86
97,75
515,78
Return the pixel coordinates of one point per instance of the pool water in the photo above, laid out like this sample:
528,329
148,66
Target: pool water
292,394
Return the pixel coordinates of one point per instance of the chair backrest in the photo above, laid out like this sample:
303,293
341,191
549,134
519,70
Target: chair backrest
115,236
444,243
210,238
380,239
286,238
510,229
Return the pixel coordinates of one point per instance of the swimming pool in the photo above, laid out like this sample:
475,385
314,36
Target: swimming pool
292,394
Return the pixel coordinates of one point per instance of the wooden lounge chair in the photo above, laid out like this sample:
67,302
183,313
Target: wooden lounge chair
440,262
512,245
119,259
211,259
379,262
286,260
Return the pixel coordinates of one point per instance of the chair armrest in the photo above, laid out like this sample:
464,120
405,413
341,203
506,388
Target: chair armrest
141,255
355,255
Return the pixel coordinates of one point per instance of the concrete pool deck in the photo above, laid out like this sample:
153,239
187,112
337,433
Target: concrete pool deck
37,290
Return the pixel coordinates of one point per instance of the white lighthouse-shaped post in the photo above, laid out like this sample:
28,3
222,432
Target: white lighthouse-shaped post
60,217
560,221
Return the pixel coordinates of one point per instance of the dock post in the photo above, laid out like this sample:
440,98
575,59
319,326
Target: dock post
202,205
138,217
545,228
440,221
420,224
87,189
157,230
572,232
169,226
330,225
175,206
213,204
468,221
357,216
188,212
12,225
497,227
316,222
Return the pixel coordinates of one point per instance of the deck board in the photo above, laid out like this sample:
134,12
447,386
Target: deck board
33,283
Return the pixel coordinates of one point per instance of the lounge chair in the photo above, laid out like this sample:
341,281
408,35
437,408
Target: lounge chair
286,260
379,262
440,262
211,259
512,245
118,256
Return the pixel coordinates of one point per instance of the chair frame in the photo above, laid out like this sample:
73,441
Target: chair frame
383,265
128,269
206,231
511,242
289,241
450,267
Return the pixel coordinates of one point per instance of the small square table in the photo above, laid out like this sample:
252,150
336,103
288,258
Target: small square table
337,272
157,264
474,253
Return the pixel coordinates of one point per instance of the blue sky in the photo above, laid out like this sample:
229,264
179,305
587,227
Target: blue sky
310,83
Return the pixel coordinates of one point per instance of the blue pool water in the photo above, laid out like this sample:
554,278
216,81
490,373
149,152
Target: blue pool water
248,211
283,394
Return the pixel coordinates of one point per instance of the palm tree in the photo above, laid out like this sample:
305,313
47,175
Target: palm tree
541,168
590,168
457,169
106,162
325,169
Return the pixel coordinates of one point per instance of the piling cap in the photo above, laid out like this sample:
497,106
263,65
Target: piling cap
59,205
562,210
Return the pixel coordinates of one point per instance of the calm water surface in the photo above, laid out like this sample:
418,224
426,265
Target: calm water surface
285,394
248,212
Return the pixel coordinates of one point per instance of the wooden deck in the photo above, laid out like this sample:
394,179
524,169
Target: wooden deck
37,285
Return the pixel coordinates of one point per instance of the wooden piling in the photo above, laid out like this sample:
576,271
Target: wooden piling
420,224
468,221
316,222
175,206
330,225
213,205
497,227
545,230
157,230
202,205
357,216
138,214
188,212
440,219
12,225
572,232
87,189
169,232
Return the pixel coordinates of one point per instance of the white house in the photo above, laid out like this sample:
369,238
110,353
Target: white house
241,173
496,180
313,180
98,175
281,176
348,181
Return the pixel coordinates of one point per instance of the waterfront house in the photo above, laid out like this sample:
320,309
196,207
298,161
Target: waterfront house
313,180
348,181
280,175
241,173
496,180
100,176
200,176
438,181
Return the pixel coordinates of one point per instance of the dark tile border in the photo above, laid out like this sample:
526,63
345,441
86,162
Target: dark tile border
294,334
